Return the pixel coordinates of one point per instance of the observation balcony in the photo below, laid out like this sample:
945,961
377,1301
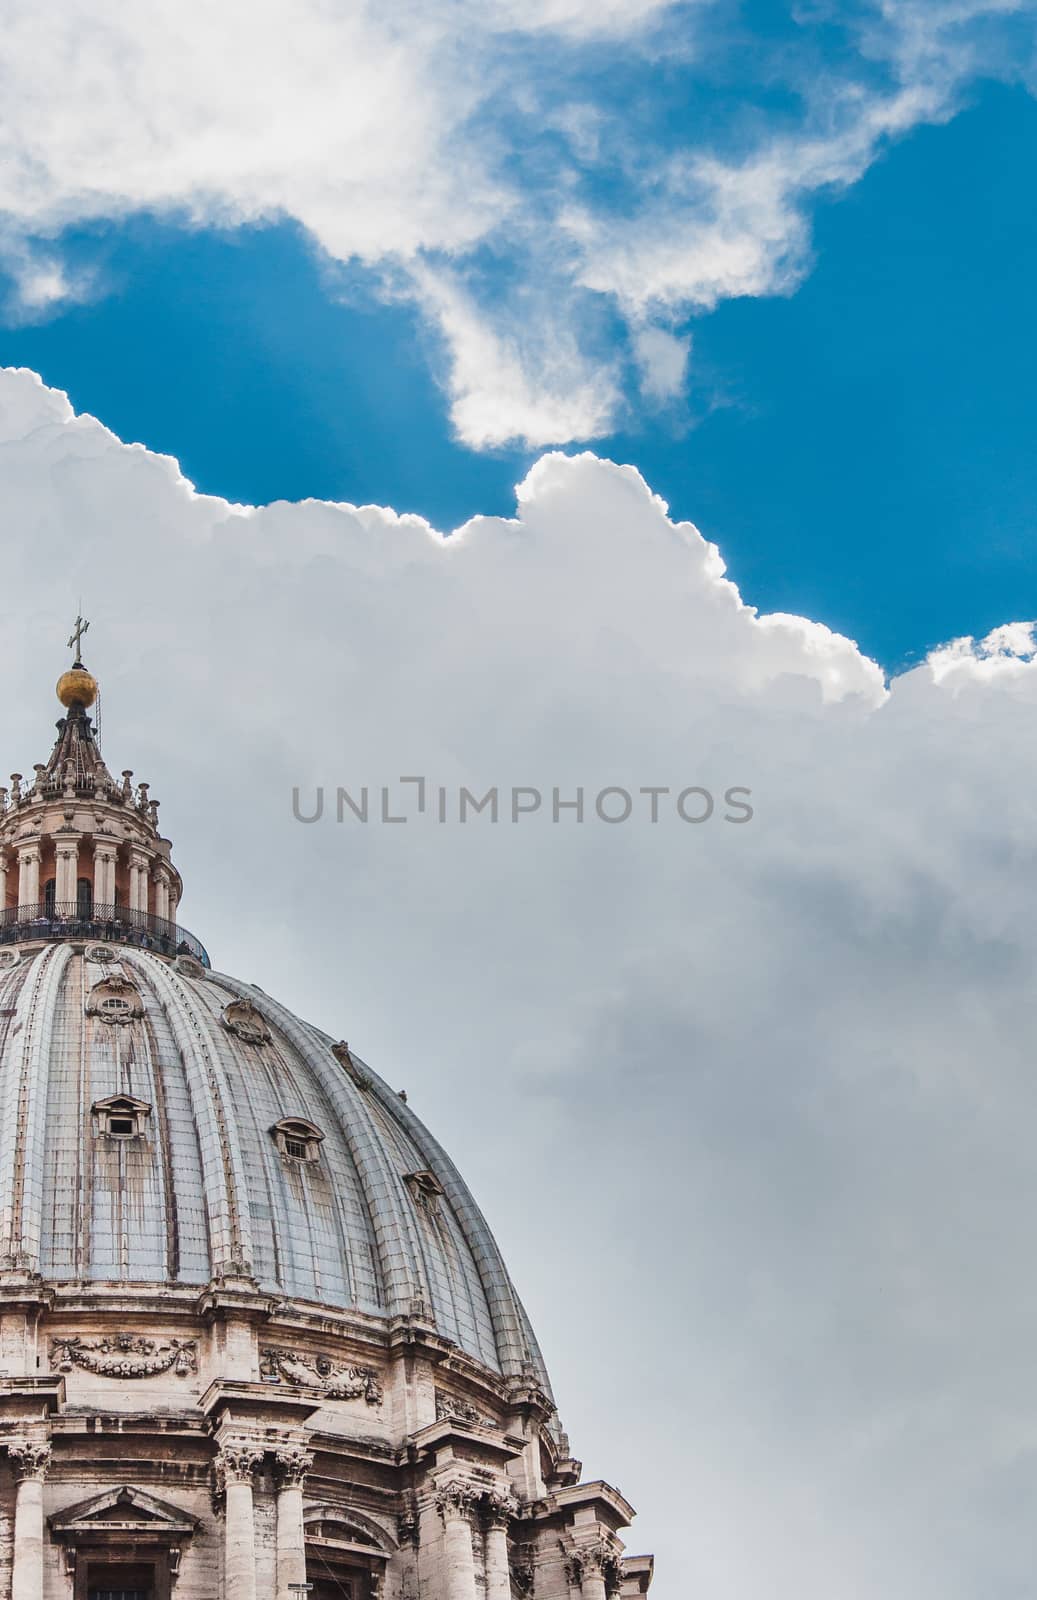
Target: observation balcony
115,924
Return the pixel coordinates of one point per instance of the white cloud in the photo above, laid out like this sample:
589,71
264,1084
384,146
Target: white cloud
662,359
524,379
421,140
748,1106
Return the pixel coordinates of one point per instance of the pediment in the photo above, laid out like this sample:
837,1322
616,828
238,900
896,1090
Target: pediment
117,1509
121,1102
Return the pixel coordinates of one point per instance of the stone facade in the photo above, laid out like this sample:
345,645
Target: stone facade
255,1336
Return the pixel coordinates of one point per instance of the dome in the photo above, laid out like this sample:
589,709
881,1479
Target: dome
249,1145
256,1334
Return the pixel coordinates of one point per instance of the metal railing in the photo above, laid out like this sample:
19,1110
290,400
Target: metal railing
72,920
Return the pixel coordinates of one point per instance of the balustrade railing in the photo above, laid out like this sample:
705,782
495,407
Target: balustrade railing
73,920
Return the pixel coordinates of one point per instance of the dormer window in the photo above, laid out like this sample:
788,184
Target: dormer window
114,1000
425,1190
297,1140
121,1116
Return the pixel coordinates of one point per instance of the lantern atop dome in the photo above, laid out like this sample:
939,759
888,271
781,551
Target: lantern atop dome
77,686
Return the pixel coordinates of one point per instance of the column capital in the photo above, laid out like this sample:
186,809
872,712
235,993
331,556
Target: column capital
498,1506
600,1558
235,1461
29,852
457,1498
291,1464
30,1458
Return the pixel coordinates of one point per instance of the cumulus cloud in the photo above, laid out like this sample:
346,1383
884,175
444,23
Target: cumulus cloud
450,148
748,1104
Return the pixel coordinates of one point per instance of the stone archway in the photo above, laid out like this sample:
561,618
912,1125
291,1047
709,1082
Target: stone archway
347,1554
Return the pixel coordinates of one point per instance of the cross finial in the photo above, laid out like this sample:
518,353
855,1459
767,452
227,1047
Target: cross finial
76,641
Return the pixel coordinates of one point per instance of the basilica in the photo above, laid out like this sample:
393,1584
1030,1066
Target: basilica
256,1338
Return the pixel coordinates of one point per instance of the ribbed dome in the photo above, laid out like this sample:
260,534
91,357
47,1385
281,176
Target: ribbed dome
165,1125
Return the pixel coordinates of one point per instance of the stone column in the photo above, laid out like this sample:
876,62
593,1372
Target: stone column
138,881
236,1460
104,874
30,1459
161,894
67,854
454,1502
291,1463
29,875
3,877
592,1585
497,1507
598,1569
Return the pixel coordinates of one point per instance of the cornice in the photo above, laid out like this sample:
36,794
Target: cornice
438,1438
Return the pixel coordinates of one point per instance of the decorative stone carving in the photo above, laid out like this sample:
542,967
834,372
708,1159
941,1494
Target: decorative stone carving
114,1000
450,1408
292,1463
126,1355
602,1558
246,1021
9,958
408,1527
458,1498
320,1372
101,953
498,1506
235,1462
343,1056
188,967
29,1457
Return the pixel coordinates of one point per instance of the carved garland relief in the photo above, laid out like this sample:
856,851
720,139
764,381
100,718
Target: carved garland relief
126,1355
319,1372
449,1408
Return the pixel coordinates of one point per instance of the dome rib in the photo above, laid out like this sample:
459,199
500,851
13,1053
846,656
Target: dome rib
402,1270
223,1169
517,1348
23,1109
517,1351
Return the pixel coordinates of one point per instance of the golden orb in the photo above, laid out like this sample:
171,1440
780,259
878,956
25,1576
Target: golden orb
77,687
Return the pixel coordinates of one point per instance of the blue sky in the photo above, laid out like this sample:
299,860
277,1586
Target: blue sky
855,432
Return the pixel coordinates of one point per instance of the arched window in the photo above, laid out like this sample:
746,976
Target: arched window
84,898
297,1140
48,897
